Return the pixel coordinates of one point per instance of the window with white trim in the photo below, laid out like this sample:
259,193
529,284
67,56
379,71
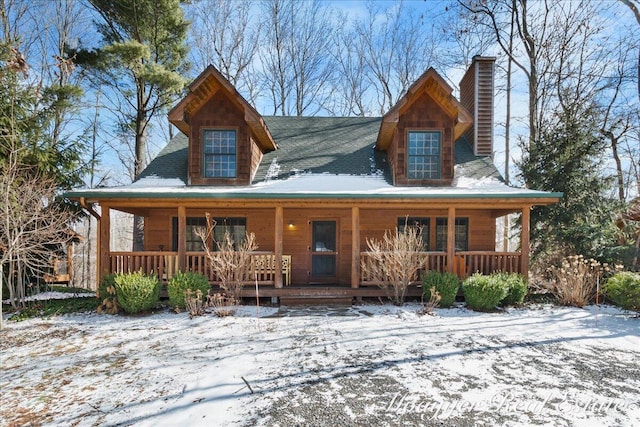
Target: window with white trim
424,155
219,153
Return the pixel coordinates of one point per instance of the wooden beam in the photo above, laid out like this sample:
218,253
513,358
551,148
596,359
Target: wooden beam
451,238
355,247
104,243
182,237
278,245
524,241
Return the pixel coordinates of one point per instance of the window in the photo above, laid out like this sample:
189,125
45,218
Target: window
424,155
219,153
237,227
416,222
461,231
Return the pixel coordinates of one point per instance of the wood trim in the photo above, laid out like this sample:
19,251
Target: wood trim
104,242
451,238
279,225
524,240
355,247
182,237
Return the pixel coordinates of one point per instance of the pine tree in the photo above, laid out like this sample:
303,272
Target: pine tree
142,61
567,157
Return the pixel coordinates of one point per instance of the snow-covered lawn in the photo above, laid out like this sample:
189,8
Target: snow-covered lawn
365,365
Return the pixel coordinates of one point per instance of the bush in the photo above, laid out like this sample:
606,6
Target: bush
624,290
446,284
574,282
181,282
483,293
107,295
516,287
137,292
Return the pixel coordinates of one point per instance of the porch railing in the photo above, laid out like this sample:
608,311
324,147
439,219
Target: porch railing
165,264
464,263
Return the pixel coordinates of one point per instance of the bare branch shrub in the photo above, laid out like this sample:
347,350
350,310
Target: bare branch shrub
222,305
231,263
432,304
574,281
193,302
394,262
33,225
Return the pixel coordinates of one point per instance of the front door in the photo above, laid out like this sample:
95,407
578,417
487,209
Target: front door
324,251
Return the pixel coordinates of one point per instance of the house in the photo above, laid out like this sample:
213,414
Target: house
314,189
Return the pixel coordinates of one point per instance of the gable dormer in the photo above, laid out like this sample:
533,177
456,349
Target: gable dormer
227,136
419,133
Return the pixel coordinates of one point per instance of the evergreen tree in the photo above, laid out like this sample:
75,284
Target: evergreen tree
567,157
141,60
27,115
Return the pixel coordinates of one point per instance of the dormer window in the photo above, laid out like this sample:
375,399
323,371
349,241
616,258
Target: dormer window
424,155
219,153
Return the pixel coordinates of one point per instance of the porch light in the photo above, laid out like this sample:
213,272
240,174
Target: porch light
291,224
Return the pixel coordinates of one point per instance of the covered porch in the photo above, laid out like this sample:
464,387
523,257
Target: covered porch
287,235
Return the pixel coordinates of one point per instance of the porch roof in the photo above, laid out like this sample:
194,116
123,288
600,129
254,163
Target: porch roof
317,186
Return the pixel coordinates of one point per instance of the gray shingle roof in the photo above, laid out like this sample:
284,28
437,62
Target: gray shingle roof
334,145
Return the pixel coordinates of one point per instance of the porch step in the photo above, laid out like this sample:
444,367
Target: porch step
316,300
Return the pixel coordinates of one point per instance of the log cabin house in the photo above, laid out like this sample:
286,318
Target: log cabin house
314,189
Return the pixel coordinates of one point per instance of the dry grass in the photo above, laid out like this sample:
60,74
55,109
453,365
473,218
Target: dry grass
574,282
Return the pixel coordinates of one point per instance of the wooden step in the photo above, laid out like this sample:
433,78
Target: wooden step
316,300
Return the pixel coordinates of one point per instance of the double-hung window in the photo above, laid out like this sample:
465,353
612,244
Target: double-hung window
424,153
461,232
421,223
219,153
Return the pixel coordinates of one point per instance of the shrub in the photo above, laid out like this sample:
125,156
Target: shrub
483,293
446,284
516,287
574,282
137,292
107,295
181,282
624,290
394,262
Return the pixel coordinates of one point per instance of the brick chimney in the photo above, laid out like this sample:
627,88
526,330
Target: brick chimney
476,95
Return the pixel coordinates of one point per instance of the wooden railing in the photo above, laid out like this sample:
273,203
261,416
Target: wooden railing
490,262
464,263
160,263
165,264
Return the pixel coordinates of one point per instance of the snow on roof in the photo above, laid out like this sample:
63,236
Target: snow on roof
316,185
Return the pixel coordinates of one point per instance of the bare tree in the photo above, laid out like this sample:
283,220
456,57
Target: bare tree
225,35
296,55
350,86
397,46
33,224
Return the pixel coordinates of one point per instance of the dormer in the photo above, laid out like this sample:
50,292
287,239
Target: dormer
227,136
419,133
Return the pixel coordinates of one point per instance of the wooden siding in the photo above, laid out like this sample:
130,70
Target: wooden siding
220,112
423,114
297,231
476,95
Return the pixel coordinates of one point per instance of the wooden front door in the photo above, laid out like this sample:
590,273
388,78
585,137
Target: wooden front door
324,251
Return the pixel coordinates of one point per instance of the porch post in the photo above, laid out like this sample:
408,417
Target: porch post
355,247
104,243
278,245
524,241
451,239
182,237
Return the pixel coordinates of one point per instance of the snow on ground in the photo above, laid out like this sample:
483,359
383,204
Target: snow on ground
363,365
49,295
